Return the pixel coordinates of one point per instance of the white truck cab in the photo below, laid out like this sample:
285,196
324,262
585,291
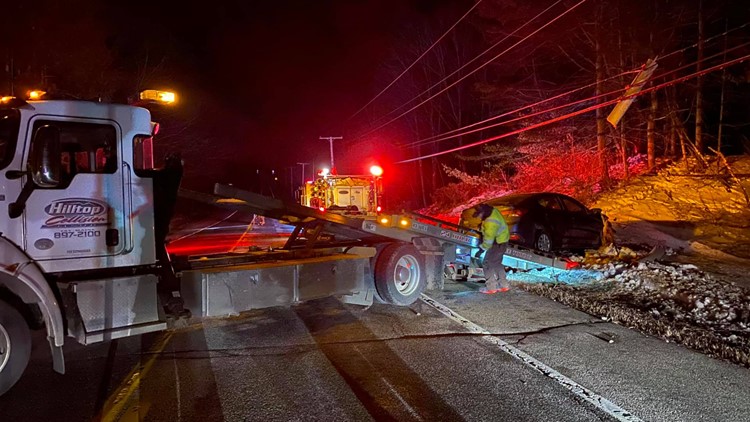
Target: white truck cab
79,227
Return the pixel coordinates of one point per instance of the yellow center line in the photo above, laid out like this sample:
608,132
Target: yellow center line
115,406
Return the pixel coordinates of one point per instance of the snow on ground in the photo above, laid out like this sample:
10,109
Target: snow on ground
699,294
704,216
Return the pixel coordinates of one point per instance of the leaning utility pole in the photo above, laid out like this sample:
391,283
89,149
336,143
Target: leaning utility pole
330,139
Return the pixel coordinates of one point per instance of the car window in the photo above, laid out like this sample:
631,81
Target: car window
572,205
549,202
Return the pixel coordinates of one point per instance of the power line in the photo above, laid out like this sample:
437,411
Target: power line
446,135
478,68
466,64
417,60
709,39
579,112
425,140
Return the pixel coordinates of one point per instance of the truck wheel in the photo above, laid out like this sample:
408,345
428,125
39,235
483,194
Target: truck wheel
399,274
15,346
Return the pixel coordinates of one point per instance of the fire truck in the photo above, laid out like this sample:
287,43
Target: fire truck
85,216
348,194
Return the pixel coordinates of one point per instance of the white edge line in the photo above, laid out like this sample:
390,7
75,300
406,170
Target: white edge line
584,393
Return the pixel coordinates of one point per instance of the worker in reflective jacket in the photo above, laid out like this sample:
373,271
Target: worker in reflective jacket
495,235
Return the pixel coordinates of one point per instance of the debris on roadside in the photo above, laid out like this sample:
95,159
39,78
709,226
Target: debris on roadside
675,302
639,288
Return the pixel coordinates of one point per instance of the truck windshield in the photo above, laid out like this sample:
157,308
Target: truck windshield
9,121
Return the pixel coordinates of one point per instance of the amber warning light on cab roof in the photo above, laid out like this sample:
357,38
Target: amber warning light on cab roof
36,95
163,97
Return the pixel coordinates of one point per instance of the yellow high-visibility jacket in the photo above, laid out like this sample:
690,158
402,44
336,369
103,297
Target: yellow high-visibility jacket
494,229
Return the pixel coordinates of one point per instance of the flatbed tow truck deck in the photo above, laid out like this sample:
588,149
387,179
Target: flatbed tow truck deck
389,258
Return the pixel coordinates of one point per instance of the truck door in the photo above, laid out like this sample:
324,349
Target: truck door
357,197
341,196
81,214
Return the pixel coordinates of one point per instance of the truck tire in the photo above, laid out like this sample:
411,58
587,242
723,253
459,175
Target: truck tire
15,346
400,274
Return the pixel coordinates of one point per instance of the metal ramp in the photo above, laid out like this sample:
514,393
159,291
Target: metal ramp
315,228
524,259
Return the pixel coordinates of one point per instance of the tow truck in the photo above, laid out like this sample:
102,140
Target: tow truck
85,219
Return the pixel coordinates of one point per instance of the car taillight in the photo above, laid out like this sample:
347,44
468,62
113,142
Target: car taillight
512,213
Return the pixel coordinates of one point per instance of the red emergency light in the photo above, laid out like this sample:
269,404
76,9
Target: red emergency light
376,171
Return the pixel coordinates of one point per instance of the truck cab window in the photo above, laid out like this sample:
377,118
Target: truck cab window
9,122
84,148
143,153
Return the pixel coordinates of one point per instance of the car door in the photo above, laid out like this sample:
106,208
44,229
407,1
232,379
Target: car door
583,225
555,220
81,214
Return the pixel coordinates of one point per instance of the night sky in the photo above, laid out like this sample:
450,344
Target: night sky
260,81
283,73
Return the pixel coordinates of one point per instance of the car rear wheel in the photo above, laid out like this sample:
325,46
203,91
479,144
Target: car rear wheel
543,242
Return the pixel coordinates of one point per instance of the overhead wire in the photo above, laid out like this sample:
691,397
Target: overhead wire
444,135
709,39
447,135
556,18
434,137
582,111
426,91
417,60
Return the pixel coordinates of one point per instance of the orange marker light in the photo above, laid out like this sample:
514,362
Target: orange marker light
36,94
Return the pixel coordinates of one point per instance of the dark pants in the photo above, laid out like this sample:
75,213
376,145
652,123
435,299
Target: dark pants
494,271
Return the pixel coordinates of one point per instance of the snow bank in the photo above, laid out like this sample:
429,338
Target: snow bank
686,210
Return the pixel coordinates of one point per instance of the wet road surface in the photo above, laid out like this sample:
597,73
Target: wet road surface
324,360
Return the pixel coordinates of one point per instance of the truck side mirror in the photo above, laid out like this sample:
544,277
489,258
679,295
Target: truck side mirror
45,165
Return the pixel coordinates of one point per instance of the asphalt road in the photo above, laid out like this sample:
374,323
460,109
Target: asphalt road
324,360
